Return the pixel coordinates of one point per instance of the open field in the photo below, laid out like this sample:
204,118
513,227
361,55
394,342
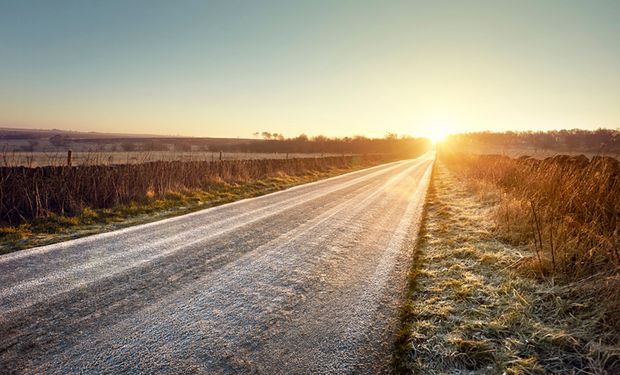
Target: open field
304,280
57,158
20,147
540,144
40,148
477,304
533,152
310,187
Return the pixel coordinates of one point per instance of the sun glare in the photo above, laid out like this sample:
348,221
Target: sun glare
437,131
437,136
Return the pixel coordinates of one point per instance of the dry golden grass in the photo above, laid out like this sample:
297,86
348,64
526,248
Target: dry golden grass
470,309
566,208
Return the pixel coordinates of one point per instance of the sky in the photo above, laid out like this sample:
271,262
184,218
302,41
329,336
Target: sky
231,68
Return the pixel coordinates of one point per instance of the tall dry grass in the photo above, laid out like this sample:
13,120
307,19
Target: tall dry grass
470,309
30,193
566,208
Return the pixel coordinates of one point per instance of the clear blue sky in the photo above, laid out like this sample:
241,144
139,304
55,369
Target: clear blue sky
231,68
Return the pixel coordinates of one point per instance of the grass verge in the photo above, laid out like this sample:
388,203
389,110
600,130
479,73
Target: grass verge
57,228
470,309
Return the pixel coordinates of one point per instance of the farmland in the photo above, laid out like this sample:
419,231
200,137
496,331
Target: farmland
40,148
86,158
539,145
310,187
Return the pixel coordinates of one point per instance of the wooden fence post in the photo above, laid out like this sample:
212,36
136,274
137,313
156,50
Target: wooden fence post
220,155
69,158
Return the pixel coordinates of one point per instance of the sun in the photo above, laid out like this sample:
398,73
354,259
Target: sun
437,131
437,136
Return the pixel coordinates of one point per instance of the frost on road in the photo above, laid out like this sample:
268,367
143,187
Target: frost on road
307,280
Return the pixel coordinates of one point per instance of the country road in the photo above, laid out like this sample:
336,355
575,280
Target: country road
306,280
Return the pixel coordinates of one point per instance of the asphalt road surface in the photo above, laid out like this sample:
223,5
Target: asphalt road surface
307,280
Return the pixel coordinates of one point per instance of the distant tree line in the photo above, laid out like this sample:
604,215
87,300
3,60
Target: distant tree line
390,144
268,135
557,140
262,142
